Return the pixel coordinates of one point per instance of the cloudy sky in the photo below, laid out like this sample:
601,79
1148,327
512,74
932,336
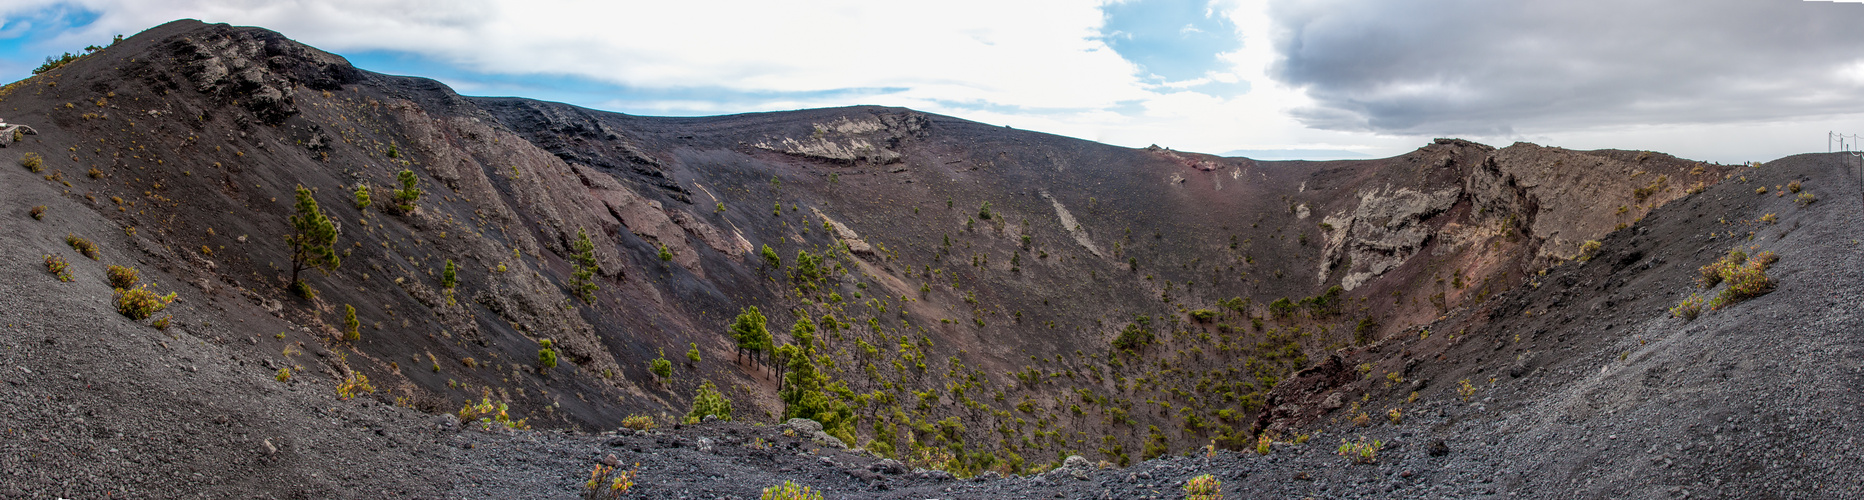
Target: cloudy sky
1719,80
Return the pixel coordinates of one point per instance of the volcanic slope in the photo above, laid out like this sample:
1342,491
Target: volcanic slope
981,299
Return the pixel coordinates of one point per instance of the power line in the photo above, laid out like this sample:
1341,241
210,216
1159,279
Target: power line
1849,144
1845,143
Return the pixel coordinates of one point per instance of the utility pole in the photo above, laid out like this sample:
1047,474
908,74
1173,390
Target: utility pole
1848,144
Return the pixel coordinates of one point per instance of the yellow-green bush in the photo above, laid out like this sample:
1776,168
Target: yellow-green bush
121,277
139,303
1205,487
790,491
82,245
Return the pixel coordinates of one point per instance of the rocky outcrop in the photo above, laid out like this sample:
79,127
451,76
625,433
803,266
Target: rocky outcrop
1582,195
847,235
1384,230
641,216
1073,226
867,139
259,70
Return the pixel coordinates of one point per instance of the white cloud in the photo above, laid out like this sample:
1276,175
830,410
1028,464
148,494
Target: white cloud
1041,65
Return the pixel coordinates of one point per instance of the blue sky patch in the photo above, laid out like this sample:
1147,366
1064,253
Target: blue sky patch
1174,39
24,37
598,94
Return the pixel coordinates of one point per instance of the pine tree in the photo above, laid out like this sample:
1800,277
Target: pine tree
582,273
804,386
546,354
750,332
450,276
661,367
352,328
313,241
709,401
408,194
362,196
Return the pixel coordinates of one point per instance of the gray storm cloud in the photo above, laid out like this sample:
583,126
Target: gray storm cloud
1493,67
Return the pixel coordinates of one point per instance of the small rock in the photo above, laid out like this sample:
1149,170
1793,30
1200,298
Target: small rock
269,449
709,419
804,426
1333,402
611,460
888,466
1076,462
1437,448
705,444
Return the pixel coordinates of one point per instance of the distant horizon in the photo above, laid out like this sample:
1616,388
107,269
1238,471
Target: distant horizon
1293,77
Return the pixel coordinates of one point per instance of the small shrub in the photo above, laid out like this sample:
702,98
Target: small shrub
1588,250
161,323
38,212
546,354
357,384
33,162
1805,198
1760,190
1793,186
283,375
139,303
638,422
1770,218
1689,308
1361,452
708,401
1205,487
693,354
605,483
1263,444
770,257
58,267
489,413
362,196
790,491
1465,390
1747,281
664,254
660,367
1395,415
121,277
82,245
